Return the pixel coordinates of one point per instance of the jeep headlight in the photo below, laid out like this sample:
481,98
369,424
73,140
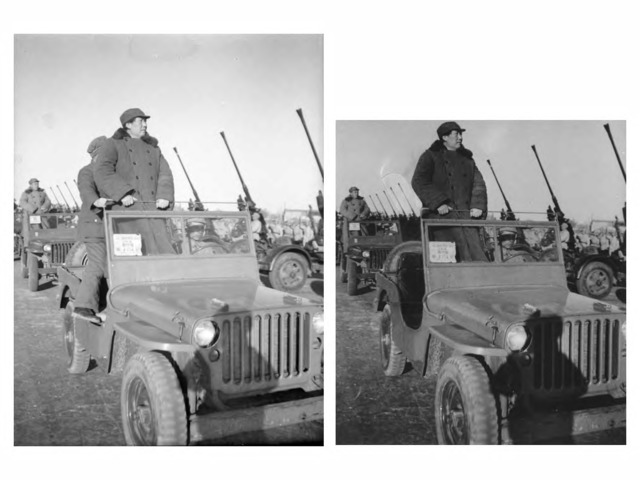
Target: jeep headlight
205,333
318,322
517,338
366,254
47,248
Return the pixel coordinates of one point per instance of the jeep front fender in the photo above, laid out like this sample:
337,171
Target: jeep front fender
464,341
150,337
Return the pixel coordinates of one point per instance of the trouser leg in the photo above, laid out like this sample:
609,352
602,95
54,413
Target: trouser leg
89,292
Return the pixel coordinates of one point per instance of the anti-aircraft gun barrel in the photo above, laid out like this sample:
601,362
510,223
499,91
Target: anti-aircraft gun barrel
382,205
73,198
244,185
65,200
313,148
553,197
374,205
613,144
398,200
199,207
510,214
390,204
405,197
56,197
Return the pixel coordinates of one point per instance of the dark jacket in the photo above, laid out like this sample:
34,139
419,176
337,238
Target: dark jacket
35,201
90,225
126,165
449,177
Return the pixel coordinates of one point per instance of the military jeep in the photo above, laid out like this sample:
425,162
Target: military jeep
517,356
46,241
204,349
366,244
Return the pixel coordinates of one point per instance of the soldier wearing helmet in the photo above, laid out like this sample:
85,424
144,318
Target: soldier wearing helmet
354,207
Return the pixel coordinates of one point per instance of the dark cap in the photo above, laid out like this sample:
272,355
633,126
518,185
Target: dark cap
95,144
447,127
33,180
354,188
131,114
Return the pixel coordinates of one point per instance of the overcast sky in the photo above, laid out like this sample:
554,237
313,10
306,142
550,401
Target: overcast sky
577,156
70,89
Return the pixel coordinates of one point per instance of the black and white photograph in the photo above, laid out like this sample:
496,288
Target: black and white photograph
481,282
168,240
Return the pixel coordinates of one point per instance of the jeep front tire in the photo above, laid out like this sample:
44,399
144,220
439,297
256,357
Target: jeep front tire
34,276
152,402
78,359
393,360
352,277
466,410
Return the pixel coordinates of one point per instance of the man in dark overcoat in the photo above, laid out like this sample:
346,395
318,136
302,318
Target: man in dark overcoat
34,199
131,170
450,185
354,207
91,232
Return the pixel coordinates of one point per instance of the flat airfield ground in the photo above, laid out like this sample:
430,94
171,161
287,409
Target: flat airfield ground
372,409
53,407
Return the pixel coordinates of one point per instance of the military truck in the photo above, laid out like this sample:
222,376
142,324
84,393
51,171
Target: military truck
203,348
517,356
46,240
366,244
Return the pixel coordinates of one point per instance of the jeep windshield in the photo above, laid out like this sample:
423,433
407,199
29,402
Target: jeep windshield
179,235
374,228
491,242
53,221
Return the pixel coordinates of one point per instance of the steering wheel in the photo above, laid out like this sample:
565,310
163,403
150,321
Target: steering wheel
211,242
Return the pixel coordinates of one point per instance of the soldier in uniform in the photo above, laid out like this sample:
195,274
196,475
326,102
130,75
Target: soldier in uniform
131,169
34,199
91,232
354,207
450,185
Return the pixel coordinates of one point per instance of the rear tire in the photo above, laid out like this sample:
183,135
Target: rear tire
352,278
78,359
393,360
596,280
34,276
152,402
466,410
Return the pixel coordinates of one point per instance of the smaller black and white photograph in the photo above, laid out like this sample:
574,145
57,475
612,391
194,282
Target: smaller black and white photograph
168,240
481,282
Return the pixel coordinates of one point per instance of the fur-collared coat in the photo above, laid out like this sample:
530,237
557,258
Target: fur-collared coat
354,209
35,201
126,165
90,224
449,177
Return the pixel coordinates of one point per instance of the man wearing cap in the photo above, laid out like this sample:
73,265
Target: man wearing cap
131,170
450,185
354,207
91,232
34,199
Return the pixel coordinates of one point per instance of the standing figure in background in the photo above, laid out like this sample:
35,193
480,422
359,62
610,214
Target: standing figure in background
354,208
34,199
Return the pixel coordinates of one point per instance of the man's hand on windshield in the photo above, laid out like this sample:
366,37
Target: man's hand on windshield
476,213
444,209
162,203
128,200
101,202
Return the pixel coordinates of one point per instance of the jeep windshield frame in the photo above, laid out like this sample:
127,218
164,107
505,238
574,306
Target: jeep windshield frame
372,232
535,265
49,226
158,246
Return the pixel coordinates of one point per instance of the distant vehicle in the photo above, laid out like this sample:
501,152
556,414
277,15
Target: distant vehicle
365,246
47,239
203,347
506,339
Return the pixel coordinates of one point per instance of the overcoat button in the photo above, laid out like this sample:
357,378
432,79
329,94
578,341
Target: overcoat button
136,177
149,163
151,177
134,163
148,151
152,192
130,150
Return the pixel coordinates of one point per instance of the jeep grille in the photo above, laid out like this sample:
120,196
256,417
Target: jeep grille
265,347
377,258
59,252
576,353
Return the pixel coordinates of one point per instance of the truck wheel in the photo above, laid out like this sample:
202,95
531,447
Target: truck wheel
466,410
34,276
152,403
78,359
596,280
77,256
352,277
393,361
23,263
289,272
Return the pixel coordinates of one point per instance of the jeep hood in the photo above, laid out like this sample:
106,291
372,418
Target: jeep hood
507,305
197,299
